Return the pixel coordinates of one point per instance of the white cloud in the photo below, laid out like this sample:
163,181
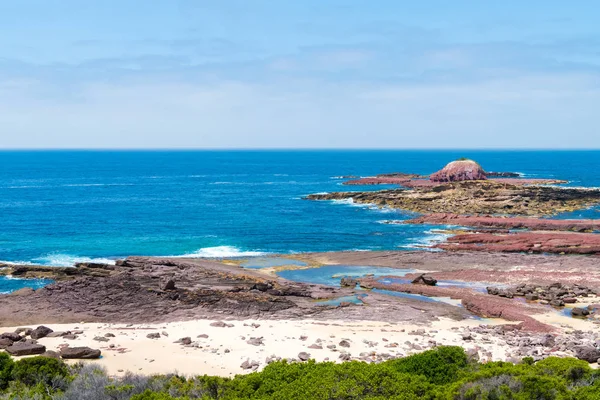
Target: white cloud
525,111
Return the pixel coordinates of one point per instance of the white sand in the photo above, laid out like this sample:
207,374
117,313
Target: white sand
134,352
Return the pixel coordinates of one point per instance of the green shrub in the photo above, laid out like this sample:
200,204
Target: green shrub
568,368
6,367
439,366
36,370
150,395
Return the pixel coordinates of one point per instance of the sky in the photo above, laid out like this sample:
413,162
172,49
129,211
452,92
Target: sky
299,74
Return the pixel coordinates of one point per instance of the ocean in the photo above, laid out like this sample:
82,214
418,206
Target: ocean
62,207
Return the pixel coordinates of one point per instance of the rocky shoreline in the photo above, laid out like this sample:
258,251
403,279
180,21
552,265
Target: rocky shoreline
540,279
146,290
489,221
476,198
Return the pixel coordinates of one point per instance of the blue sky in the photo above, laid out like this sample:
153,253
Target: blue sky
299,74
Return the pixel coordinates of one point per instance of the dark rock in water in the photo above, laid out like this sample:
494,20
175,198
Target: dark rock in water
80,353
587,353
425,280
40,332
304,356
457,171
344,343
101,339
25,349
580,312
569,300
348,282
531,296
15,337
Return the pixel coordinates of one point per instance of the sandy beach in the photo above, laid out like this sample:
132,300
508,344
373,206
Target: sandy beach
221,350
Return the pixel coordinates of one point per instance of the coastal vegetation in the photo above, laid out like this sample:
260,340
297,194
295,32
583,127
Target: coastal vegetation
442,373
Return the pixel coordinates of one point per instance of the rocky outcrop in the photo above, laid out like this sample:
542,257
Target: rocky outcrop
424,280
528,242
488,221
142,289
476,197
477,303
458,171
378,181
557,293
348,282
395,178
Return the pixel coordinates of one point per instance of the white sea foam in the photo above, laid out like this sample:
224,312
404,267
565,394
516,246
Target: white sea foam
222,252
432,237
68,260
369,206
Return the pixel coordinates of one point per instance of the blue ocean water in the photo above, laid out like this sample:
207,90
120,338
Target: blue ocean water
59,207
10,284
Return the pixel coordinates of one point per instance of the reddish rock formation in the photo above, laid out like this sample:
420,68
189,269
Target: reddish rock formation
478,303
461,170
488,221
557,243
379,181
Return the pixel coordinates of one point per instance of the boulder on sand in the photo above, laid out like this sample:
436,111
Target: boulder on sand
82,353
25,349
461,170
40,332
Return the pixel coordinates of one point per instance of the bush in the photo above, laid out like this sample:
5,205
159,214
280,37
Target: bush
439,366
440,374
150,395
41,370
568,368
6,367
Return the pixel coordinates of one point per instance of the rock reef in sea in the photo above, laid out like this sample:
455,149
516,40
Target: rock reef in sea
458,171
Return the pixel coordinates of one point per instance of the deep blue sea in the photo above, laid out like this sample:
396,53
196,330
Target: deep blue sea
60,207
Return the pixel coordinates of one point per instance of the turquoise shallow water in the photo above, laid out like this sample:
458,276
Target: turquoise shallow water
8,285
61,207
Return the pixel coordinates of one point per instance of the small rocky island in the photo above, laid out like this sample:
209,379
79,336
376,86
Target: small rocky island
462,187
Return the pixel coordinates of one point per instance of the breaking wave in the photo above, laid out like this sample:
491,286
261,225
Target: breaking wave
222,252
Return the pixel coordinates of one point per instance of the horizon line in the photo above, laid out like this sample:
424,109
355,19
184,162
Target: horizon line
192,149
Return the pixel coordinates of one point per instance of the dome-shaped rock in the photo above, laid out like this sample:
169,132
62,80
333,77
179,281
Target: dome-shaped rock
461,170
